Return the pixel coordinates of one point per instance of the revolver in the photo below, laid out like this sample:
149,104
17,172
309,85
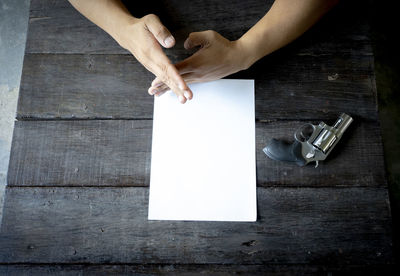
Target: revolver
313,143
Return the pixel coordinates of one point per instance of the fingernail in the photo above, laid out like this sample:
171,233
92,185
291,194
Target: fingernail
158,84
181,99
153,91
169,41
187,95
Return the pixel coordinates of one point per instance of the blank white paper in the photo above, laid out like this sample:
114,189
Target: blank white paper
203,164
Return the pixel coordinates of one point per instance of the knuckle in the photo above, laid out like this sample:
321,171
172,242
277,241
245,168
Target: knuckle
150,17
194,35
208,34
211,33
165,69
166,79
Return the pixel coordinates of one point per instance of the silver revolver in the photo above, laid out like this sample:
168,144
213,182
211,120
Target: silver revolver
313,143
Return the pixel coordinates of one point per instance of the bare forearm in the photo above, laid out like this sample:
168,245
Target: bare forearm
110,15
284,22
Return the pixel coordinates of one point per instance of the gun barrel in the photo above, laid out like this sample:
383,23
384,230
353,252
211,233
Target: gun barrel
342,124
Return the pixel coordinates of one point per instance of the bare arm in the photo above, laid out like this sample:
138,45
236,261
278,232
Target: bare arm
141,36
219,57
283,23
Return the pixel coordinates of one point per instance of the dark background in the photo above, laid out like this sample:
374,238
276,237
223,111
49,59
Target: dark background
386,43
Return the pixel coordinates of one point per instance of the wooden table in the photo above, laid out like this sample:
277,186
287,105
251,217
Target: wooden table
78,180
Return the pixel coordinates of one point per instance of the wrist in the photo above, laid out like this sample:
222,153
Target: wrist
243,51
121,30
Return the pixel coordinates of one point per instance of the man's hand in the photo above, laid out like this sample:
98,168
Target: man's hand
143,38
216,58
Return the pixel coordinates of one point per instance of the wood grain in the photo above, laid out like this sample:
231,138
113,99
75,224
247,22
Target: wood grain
192,269
80,153
109,225
118,153
77,197
115,86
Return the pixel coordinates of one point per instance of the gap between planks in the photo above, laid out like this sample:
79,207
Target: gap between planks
338,187
261,121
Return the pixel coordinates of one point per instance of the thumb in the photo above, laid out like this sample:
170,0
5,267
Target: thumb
195,39
160,32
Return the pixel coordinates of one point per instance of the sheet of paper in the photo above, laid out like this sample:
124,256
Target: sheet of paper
203,163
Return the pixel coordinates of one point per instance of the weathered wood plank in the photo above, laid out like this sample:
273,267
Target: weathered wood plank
177,269
93,225
79,86
115,86
81,153
55,27
118,153
69,86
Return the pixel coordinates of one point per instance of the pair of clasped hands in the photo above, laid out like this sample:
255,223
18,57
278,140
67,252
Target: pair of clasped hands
216,57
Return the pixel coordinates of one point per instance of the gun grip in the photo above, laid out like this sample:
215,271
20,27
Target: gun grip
283,151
